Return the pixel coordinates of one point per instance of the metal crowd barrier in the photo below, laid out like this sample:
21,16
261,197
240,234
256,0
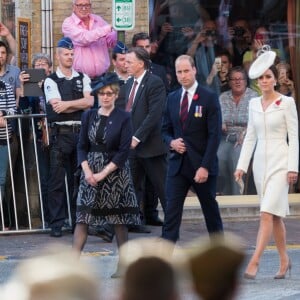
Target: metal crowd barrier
35,222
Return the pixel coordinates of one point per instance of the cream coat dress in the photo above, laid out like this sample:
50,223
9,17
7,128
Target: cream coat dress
273,136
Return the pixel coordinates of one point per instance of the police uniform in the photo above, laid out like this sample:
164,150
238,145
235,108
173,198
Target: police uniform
64,133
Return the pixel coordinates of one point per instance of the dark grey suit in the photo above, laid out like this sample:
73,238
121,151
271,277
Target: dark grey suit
149,157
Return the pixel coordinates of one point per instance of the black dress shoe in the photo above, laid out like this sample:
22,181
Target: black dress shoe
139,229
101,232
68,227
56,232
154,221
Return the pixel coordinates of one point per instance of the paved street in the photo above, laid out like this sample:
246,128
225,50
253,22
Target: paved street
14,248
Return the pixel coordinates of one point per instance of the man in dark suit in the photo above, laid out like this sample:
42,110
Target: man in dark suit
142,40
192,130
145,96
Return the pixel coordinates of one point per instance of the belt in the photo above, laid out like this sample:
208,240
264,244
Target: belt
75,128
67,123
97,148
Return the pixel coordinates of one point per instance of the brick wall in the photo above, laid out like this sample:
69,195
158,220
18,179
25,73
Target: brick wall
36,27
63,8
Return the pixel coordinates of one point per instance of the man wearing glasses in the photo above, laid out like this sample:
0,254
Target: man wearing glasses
92,37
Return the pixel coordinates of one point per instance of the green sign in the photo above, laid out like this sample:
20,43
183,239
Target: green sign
123,14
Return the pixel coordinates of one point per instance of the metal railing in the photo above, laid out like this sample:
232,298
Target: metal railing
29,202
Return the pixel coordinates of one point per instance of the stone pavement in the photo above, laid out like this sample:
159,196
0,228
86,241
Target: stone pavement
25,245
240,216
103,256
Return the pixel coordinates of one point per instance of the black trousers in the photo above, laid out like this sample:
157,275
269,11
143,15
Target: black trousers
154,168
63,160
177,187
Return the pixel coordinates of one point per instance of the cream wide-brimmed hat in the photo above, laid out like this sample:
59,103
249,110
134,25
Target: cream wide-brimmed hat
265,59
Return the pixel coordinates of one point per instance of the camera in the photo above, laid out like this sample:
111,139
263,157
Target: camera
239,31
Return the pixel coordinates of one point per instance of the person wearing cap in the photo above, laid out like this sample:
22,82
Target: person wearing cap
142,39
118,59
92,37
106,193
67,95
272,136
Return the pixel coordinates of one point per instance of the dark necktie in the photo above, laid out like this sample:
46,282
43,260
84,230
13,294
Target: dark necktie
184,109
131,96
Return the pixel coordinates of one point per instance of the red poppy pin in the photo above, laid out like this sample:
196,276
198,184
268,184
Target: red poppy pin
278,102
195,97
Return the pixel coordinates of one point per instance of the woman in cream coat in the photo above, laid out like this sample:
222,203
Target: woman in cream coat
272,134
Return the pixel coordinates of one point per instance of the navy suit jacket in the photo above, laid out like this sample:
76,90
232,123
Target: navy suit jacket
146,115
202,133
118,136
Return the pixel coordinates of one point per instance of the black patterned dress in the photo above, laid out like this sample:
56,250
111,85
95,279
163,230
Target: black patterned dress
113,200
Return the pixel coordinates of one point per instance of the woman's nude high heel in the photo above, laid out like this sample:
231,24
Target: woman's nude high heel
250,276
288,269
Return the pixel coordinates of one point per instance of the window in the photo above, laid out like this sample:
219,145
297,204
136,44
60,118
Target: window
231,31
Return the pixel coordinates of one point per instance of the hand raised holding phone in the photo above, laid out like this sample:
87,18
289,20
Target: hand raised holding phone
218,63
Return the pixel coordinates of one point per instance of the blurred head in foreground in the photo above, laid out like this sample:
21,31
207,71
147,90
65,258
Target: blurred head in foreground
149,278
149,270
57,275
214,266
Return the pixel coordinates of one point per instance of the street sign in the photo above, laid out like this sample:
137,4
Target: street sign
123,14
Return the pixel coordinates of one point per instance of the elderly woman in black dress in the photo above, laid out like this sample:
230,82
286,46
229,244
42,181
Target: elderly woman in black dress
106,193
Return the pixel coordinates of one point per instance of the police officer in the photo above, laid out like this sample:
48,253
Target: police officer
67,95
118,59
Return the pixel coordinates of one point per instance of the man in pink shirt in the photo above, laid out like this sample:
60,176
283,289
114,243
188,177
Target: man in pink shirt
91,36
